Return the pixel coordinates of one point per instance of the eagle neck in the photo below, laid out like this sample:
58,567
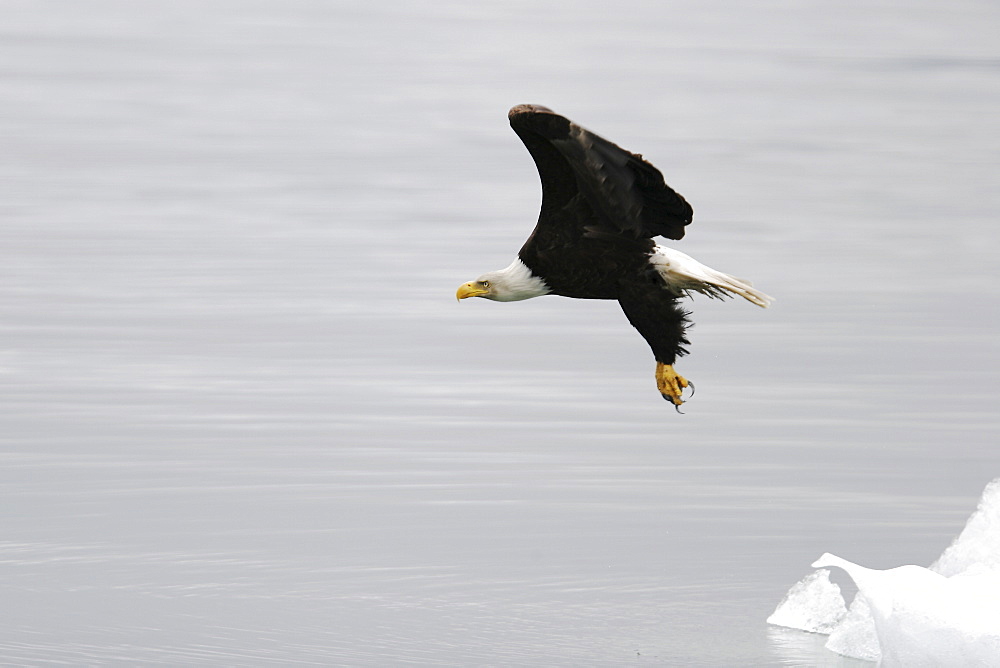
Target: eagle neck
521,283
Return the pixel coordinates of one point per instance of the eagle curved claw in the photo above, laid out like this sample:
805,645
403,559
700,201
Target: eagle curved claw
671,384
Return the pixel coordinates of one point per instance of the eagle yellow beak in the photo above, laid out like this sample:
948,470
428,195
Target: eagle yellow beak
470,289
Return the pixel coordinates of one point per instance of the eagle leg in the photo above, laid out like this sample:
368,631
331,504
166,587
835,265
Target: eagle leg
670,383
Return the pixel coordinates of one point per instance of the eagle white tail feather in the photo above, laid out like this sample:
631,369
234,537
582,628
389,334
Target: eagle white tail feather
683,273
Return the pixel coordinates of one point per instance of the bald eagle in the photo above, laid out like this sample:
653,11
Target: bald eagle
601,208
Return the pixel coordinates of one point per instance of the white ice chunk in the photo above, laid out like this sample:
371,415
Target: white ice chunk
813,604
855,635
923,618
947,615
978,546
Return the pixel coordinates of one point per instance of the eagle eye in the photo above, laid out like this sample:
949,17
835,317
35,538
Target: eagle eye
485,284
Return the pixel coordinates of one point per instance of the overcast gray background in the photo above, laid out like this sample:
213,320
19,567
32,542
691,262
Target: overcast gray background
245,422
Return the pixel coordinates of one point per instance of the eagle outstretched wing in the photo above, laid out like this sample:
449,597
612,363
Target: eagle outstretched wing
626,194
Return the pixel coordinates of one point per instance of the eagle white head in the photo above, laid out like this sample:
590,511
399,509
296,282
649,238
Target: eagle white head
512,284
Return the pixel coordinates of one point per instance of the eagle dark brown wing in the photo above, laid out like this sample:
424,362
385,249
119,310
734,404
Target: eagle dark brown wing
624,194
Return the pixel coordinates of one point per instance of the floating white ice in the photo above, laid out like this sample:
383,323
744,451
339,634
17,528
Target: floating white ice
947,615
814,604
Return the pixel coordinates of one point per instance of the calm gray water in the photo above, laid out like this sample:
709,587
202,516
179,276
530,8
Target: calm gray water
244,421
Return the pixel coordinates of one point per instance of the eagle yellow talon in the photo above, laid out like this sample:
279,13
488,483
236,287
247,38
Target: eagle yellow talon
670,383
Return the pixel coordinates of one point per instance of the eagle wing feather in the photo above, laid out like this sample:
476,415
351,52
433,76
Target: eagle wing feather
625,193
